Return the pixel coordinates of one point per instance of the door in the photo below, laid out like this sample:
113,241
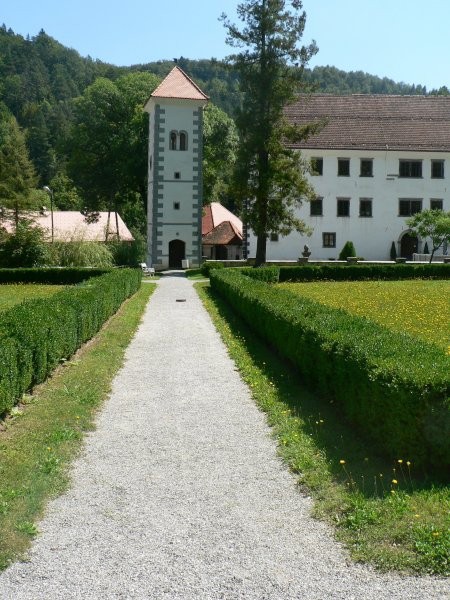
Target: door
177,253
408,245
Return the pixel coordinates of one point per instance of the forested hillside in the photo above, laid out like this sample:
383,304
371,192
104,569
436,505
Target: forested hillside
86,133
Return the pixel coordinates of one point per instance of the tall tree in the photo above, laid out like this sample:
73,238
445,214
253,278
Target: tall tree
220,143
270,177
17,175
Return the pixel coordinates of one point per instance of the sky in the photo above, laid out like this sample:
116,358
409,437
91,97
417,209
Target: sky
405,40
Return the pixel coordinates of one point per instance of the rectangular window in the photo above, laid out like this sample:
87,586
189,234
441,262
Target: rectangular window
366,167
316,207
410,168
365,207
407,207
176,206
177,175
343,207
329,240
343,167
436,204
437,169
317,166
274,237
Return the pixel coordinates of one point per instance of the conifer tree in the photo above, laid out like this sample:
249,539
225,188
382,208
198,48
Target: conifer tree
270,177
17,174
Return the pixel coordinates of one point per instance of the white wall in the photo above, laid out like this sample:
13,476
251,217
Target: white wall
372,236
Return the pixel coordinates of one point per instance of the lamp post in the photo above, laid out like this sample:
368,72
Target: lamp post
50,193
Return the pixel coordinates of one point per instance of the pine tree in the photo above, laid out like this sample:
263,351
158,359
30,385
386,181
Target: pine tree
269,176
17,175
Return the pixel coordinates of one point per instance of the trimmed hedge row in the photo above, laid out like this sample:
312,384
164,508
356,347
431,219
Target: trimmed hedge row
392,387
352,272
37,334
66,276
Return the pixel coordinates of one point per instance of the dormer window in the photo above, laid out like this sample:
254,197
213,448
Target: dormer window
173,140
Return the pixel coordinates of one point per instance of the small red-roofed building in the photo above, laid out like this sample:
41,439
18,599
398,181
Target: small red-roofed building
222,233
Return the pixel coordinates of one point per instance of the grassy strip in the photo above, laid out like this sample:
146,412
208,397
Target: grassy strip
381,511
13,294
39,442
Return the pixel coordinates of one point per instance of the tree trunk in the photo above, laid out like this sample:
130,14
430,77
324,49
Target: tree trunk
117,218
432,254
261,245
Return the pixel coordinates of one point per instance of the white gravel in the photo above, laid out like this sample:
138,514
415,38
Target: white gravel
179,492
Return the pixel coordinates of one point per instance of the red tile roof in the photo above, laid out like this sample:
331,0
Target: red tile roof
375,122
224,234
71,225
178,85
214,214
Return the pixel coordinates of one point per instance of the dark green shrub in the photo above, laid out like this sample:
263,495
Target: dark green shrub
364,272
37,334
394,389
78,253
268,274
207,267
49,276
26,247
393,251
128,254
347,250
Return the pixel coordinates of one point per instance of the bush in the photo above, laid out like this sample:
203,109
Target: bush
128,254
364,272
78,253
26,247
268,274
393,251
49,276
207,267
394,389
347,250
37,334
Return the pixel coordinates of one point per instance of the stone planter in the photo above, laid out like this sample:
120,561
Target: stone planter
352,259
302,259
446,259
400,260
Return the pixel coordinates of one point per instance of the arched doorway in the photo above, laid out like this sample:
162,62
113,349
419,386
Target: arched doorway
408,245
177,253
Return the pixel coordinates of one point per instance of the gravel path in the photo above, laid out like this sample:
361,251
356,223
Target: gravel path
179,492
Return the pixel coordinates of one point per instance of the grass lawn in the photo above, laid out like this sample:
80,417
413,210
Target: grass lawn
41,438
17,293
419,307
387,514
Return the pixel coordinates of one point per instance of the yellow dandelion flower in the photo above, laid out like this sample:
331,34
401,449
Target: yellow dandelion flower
394,481
342,462
400,461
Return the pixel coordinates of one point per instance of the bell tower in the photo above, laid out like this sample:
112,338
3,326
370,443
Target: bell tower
175,198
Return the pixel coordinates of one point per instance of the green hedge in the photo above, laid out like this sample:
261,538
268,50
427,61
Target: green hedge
37,334
393,387
51,276
358,272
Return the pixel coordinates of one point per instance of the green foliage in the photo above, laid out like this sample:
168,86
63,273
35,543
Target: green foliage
37,334
66,196
49,276
208,266
393,253
363,272
393,389
128,254
220,143
433,224
347,250
270,66
25,247
79,253
268,274
17,172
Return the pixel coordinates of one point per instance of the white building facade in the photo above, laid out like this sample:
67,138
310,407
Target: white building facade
174,211
377,161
